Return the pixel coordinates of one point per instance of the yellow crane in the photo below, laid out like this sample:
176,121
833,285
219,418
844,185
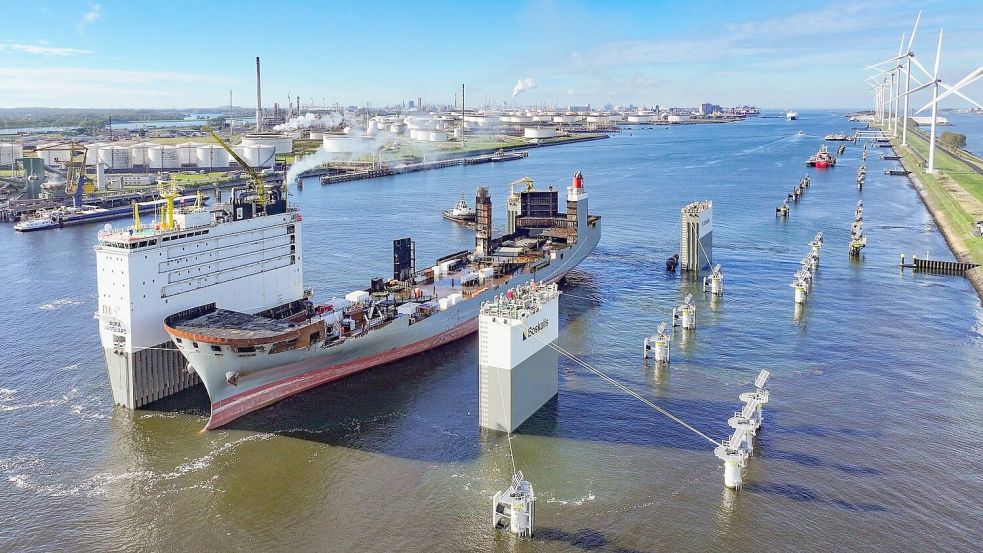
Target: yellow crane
258,183
524,180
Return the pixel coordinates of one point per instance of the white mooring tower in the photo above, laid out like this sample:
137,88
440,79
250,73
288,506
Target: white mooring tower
517,367
696,236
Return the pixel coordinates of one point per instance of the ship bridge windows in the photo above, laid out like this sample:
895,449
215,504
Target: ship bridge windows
216,348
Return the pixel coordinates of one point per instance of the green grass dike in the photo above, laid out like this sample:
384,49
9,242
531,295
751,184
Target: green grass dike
953,195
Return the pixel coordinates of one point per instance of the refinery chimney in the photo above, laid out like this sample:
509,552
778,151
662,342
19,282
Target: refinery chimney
259,100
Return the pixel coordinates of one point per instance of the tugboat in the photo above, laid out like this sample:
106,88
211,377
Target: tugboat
672,262
792,115
822,159
461,213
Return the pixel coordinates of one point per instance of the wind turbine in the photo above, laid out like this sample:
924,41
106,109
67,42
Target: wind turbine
908,55
936,98
935,83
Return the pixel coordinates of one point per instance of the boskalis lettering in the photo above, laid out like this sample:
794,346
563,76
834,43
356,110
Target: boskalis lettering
532,330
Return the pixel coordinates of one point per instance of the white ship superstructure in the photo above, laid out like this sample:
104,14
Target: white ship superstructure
241,255
517,363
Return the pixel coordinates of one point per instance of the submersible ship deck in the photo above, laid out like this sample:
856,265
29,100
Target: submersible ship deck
277,342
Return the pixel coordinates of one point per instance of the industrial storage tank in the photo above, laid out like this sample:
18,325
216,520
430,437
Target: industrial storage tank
138,154
539,132
282,143
397,128
212,156
163,157
115,157
459,133
564,118
639,118
187,154
92,152
259,156
438,136
9,152
51,153
317,135
337,143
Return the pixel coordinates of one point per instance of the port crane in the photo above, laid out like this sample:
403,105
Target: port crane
74,171
259,184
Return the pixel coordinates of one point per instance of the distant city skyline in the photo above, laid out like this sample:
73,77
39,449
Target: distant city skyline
182,54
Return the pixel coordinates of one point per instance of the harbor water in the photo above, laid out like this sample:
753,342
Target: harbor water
870,441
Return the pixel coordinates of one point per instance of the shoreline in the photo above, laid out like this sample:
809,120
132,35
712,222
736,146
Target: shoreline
949,232
320,171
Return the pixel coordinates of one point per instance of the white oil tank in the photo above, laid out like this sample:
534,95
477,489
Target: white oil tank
336,143
115,157
438,136
259,155
138,154
163,157
9,152
315,135
187,153
539,132
92,152
212,156
51,153
281,143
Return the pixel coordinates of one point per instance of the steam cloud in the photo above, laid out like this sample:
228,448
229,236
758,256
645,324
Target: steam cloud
311,121
522,85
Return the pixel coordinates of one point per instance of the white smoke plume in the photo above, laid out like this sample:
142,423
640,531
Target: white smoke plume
311,121
353,145
522,85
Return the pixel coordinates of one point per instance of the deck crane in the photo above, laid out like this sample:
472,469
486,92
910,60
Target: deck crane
75,177
524,180
74,171
75,185
259,184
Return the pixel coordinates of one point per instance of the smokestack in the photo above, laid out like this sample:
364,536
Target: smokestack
259,100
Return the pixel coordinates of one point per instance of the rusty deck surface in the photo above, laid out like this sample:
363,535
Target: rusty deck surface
233,325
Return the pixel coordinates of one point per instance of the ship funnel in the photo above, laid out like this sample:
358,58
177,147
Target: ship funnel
578,180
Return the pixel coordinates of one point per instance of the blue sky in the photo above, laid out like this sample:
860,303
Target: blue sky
178,53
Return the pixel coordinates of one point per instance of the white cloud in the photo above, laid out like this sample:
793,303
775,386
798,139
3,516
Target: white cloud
41,49
90,17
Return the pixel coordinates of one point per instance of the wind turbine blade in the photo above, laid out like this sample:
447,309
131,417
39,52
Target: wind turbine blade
938,56
901,47
971,77
920,88
955,90
918,64
913,77
889,60
911,41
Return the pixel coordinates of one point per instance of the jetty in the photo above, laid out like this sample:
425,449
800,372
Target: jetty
386,170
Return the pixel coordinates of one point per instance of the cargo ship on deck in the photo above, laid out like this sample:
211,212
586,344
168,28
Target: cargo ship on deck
230,295
69,216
